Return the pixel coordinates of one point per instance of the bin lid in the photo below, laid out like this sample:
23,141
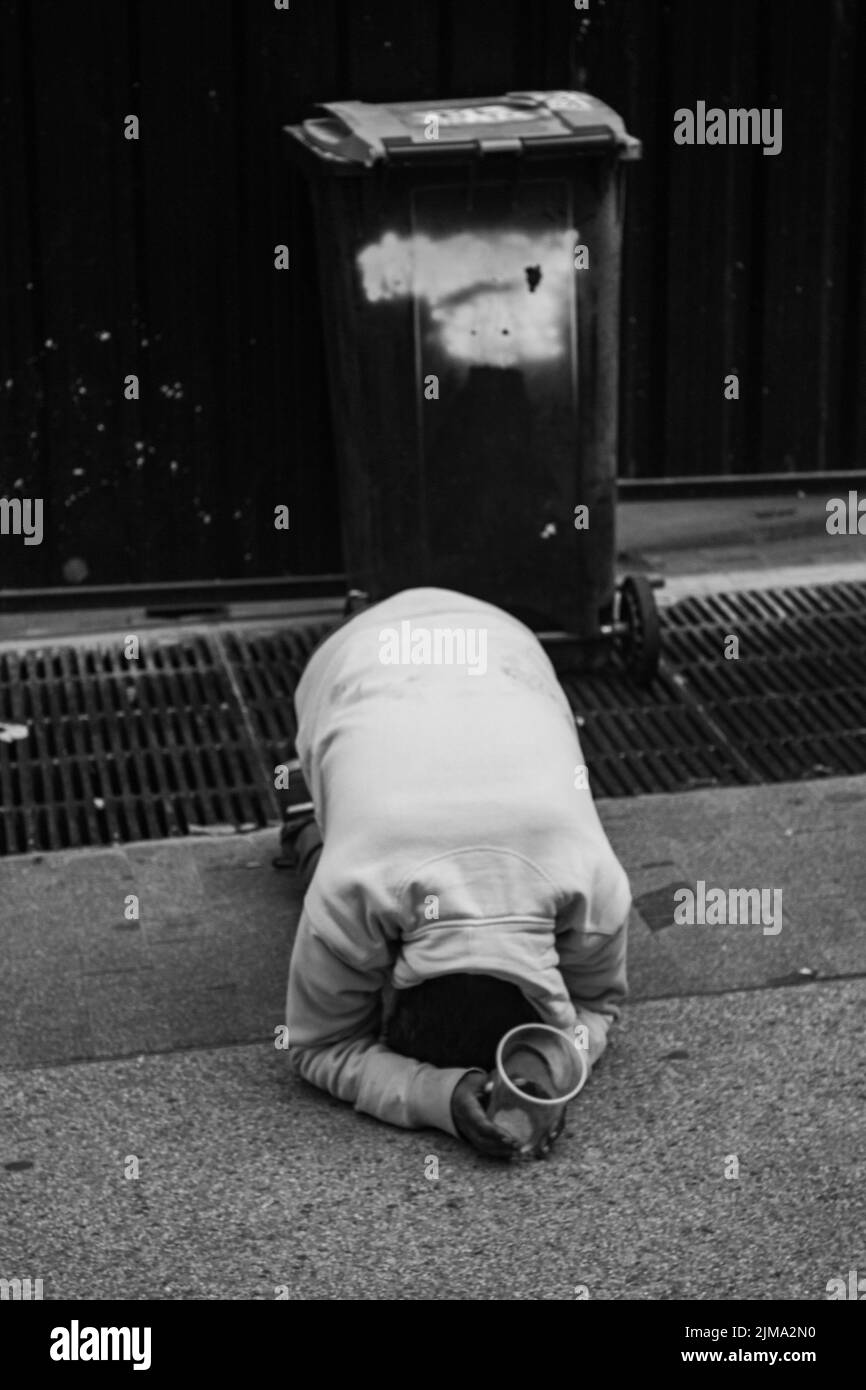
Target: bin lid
361,134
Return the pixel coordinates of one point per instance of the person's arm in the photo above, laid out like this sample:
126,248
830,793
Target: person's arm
333,1014
593,966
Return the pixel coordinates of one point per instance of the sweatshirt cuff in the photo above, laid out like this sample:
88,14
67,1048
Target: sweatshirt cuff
597,1026
432,1090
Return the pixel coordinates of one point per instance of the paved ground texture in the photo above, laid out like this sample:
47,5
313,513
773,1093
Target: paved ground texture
147,1047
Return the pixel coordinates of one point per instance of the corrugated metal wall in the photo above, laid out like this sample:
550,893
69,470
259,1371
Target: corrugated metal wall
155,256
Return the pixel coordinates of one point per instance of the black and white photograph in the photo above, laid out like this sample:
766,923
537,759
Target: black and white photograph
432,671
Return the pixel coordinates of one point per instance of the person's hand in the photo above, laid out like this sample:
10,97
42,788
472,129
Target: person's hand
550,1139
470,1118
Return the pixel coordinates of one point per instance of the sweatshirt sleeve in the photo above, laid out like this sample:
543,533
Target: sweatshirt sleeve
593,966
333,1012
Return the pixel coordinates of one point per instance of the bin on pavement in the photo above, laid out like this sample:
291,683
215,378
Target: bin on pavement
469,256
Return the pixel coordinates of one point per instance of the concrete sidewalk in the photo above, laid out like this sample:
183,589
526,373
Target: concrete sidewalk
154,1042
687,538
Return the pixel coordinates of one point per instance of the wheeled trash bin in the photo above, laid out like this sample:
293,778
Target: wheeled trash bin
469,257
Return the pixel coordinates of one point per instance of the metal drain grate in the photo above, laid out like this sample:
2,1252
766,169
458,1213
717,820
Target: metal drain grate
188,735
791,706
268,666
638,741
122,750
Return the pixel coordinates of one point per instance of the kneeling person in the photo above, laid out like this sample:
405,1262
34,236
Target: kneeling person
460,882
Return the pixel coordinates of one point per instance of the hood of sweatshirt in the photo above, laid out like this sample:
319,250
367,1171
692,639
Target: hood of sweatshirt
483,910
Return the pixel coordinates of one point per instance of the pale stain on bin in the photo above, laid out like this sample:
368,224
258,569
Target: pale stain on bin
501,299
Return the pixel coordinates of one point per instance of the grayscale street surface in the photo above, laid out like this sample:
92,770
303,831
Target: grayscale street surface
157,1042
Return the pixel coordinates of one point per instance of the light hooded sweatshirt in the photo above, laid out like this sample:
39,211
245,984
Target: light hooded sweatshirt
459,837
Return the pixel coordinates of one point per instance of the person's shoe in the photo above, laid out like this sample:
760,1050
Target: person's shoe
292,846
297,808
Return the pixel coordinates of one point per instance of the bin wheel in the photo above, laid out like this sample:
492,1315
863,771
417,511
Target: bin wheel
641,638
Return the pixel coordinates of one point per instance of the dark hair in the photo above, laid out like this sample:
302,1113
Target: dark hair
456,1020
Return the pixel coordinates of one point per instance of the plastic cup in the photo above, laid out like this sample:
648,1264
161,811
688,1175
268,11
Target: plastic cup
538,1071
